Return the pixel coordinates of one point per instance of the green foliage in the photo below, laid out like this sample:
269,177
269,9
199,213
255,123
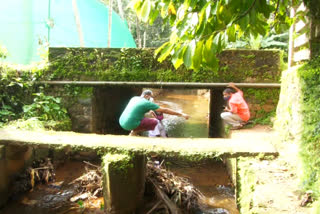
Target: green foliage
270,41
102,206
266,118
6,113
76,62
15,89
310,145
45,108
81,204
140,65
201,29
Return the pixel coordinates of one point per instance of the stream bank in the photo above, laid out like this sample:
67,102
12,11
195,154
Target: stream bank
269,185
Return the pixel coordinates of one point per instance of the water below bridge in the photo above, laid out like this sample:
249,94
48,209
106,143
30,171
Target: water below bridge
190,102
211,178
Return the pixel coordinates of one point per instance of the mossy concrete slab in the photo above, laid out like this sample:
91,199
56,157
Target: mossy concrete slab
187,147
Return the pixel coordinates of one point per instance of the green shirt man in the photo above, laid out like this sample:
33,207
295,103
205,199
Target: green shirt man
134,112
132,118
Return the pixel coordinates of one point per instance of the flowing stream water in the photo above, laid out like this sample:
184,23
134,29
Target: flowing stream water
191,103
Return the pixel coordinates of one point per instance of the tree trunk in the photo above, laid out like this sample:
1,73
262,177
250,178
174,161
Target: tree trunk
138,32
144,39
120,9
109,24
78,23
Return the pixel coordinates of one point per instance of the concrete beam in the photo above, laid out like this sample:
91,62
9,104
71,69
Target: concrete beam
171,147
182,85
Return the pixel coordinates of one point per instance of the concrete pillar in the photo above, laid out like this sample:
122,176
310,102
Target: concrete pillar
123,182
13,160
18,157
216,127
4,180
108,104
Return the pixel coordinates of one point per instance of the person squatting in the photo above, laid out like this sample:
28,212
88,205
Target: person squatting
236,113
133,117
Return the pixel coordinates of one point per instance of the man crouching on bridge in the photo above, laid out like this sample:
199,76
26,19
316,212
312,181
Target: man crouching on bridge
132,118
237,111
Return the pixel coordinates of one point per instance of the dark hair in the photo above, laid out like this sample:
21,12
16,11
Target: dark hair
228,91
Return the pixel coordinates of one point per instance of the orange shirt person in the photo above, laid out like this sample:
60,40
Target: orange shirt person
237,111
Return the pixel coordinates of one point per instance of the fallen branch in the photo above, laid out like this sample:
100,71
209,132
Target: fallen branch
178,189
41,168
154,207
174,209
86,162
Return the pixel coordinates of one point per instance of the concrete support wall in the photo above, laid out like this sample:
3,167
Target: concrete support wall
4,180
15,159
108,104
231,164
216,127
81,115
123,182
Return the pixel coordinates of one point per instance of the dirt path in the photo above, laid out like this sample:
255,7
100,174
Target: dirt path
277,188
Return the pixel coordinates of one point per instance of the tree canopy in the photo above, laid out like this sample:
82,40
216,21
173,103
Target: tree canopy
202,28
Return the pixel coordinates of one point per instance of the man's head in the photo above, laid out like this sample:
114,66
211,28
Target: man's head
227,93
147,94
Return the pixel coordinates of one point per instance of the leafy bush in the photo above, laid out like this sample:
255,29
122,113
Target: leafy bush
15,91
6,113
46,112
45,108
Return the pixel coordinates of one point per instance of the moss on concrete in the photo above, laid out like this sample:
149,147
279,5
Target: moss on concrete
289,119
246,181
123,182
140,65
194,149
119,162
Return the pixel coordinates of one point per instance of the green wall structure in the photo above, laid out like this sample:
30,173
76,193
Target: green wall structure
29,26
132,64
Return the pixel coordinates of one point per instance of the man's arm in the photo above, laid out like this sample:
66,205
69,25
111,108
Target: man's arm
172,112
232,85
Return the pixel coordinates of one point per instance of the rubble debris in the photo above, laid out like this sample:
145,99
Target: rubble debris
178,189
40,172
